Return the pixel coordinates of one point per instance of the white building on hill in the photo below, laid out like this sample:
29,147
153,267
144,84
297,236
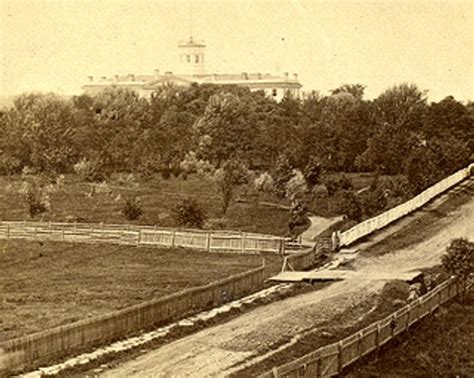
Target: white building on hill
191,69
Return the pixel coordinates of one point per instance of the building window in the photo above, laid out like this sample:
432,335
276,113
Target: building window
188,57
197,58
274,92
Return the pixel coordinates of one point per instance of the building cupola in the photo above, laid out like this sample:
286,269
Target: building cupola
191,57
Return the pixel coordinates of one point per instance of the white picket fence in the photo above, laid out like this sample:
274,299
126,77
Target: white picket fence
219,241
370,225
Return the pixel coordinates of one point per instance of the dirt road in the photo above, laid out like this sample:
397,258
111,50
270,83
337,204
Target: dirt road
225,348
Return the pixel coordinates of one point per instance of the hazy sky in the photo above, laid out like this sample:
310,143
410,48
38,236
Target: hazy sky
55,45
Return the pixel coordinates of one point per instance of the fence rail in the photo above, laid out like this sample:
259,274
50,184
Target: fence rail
221,241
330,360
38,348
370,225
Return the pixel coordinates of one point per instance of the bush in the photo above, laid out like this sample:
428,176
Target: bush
459,260
264,183
350,205
91,170
36,195
312,172
333,184
188,213
296,188
131,209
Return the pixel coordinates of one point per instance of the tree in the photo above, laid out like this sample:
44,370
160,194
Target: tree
449,118
420,169
223,132
459,260
402,107
45,123
231,174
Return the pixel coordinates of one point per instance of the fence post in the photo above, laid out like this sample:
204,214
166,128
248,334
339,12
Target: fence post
339,356
139,240
208,242
62,233
377,336
173,236
359,343
8,231
242,239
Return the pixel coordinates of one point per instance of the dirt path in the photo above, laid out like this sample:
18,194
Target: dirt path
318,225
223,349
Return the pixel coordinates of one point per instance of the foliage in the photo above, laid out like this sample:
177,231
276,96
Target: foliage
188,213
282,173
349,204
91,170
36,190
297,217
335,184
312,172
227,178
264,183
131,208
296,187
459,259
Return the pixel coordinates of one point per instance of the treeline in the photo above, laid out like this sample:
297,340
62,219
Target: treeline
116,131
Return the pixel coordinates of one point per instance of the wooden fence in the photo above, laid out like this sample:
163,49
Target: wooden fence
330,360
219,241
38,348
370,225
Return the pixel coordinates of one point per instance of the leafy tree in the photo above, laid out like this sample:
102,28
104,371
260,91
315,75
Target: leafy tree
312,172
449,118
459,260
46,125
420,169
356,90
231,174
223,132
283,172
350,205
401,107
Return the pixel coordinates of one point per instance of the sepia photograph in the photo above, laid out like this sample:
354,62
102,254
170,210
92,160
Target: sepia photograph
236,188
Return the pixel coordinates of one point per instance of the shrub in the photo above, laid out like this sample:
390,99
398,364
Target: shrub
282,173
264,183
91,170
312,172
296,187
131,208
350,205
459,260
36,196
188,213
333,184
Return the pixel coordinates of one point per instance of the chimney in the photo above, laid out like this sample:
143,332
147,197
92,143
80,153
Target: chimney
286,76
245,76
259,76
295,76
91,78
157,74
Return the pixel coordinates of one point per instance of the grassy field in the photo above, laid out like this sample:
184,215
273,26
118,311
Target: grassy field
43,285
440,346
77,201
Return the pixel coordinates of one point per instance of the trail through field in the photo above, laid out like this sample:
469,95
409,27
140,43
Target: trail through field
226,348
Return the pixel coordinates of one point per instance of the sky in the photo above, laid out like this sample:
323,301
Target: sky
55,45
